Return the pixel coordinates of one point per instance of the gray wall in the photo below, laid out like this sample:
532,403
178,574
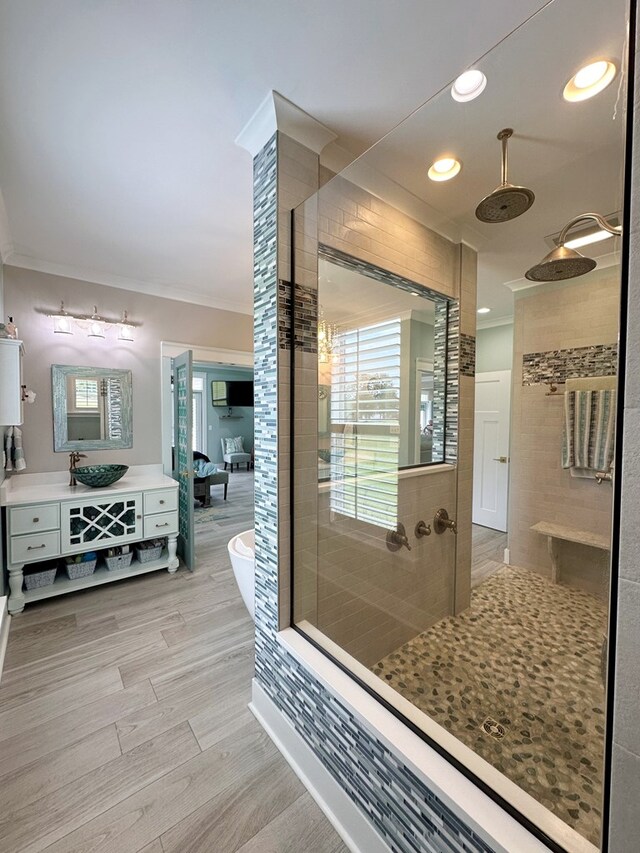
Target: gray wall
30,295
625,772
220,428
494,348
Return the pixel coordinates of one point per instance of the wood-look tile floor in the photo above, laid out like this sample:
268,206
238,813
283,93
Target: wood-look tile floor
124,724
487,553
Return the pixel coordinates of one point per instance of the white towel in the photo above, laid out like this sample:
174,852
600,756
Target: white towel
13,452
8,449
19,462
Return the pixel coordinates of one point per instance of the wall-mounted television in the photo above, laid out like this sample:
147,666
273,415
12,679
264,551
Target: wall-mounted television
235,393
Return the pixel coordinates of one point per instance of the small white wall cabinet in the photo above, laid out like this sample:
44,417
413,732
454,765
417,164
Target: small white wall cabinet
38,531
10,382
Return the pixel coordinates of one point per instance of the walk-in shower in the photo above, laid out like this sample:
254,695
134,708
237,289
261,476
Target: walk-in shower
497,662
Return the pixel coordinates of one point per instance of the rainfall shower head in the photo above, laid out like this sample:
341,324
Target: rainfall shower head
559,264
506,201
562,262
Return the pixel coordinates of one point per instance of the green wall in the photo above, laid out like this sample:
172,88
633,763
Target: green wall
218,428
494,348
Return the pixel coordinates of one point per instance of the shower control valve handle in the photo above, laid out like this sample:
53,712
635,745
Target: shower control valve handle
442,522
397,538
422,529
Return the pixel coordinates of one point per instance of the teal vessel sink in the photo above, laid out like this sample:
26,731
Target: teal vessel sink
99,475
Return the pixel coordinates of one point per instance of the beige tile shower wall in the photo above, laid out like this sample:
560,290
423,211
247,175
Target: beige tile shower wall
372,600
573,314
360,224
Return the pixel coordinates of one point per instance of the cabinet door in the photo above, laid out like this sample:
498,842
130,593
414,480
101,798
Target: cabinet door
87,524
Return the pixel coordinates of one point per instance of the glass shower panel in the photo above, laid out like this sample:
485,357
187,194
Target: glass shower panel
498,640
377,585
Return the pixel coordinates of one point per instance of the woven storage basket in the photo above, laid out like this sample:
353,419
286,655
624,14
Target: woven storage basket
34,580
120,561
146,555
80,570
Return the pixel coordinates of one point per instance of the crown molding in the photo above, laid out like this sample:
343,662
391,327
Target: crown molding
278,113
164,290
498,321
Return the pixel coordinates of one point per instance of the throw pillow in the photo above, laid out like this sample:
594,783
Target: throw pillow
234,445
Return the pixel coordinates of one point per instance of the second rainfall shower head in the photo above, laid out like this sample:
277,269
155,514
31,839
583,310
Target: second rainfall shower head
507,201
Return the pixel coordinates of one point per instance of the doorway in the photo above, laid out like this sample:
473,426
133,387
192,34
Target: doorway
221,497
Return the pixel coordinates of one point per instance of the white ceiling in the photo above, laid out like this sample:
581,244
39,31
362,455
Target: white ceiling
118,120
570,154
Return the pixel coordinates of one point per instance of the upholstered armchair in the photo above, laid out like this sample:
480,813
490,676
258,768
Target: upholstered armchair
233,453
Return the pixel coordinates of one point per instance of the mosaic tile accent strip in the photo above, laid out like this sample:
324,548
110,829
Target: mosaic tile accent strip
305,330
439,374
406,814
453,383
185,493
467,355
562,364
516,677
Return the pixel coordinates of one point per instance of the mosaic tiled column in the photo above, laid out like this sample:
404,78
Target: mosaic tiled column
405,813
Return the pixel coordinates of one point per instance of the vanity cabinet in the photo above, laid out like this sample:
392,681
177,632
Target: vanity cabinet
10,382
94,520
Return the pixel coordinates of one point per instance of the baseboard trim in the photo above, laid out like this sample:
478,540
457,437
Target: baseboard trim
5,621
351,825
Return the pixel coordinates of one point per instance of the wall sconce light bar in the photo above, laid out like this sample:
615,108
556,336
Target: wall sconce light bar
95,326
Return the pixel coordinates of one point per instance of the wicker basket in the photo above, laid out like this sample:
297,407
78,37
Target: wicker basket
146,555
120,561
80,570
45,577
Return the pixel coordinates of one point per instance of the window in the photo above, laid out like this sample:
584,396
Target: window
198,412
86,394
365,423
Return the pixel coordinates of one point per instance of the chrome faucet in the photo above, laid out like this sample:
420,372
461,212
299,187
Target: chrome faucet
74,458
397,538
442,522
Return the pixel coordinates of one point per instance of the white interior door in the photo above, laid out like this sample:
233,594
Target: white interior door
491,449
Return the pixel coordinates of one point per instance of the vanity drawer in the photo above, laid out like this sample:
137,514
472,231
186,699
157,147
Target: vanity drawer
164,501
35,546
31,519
162,524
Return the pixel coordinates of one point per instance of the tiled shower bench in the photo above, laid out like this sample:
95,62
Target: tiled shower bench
554,532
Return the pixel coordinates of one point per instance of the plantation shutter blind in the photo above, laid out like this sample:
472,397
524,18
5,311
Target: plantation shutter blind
365,423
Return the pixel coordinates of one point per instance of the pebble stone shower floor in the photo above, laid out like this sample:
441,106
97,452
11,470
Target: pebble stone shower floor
516,677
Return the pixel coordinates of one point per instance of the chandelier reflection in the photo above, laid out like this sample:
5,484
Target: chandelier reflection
327,333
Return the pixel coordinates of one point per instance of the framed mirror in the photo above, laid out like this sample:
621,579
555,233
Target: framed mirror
92,408
381,374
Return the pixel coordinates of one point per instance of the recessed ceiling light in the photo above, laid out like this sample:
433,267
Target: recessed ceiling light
589,80
468,86
444,169
483,310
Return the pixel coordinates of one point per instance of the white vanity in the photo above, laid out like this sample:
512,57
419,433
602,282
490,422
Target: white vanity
46,518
